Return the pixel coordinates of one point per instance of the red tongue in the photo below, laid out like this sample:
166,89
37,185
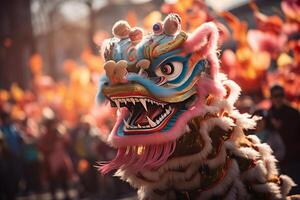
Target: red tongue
142,120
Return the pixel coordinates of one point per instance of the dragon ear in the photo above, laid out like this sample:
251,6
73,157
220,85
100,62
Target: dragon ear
204,39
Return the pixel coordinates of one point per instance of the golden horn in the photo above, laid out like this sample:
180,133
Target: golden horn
169,46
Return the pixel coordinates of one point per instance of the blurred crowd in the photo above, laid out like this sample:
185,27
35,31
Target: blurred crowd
50,136
46,156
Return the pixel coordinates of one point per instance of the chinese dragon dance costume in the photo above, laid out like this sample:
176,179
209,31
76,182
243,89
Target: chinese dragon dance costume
177,133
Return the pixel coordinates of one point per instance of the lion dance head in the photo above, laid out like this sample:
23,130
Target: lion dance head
177,131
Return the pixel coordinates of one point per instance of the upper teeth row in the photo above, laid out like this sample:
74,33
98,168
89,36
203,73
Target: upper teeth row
150,121
143,101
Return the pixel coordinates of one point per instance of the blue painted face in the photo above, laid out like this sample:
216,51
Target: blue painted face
167,74
152,97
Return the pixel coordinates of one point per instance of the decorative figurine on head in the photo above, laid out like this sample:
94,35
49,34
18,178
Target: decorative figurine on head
178,133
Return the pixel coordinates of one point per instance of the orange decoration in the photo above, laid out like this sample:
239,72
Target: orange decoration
16,92
36,64
131,18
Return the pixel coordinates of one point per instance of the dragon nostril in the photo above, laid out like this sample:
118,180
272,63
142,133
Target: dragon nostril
121,71
109,68
116,72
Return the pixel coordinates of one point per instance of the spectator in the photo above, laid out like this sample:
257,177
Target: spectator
286,121
85,141
57,162
11,152
37,149
270,137
7,186
30,154
245,104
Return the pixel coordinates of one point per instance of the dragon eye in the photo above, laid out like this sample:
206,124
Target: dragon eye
167,69
170,70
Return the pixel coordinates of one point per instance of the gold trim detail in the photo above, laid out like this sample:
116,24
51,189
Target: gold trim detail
169,46
140,90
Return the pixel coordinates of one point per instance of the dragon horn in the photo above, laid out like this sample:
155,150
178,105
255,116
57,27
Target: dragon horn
169,46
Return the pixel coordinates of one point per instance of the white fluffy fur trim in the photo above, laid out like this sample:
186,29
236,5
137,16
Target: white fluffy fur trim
286,185
237,191
224,123
187,179
264,149
270,163
254,139
221,188
177,163
245,152
235,91
257,173
222,77
244,120
130,178
210,109
219,104
269,160
146,194
173,176
269,188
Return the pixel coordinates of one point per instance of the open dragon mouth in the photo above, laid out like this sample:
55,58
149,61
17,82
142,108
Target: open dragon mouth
145,114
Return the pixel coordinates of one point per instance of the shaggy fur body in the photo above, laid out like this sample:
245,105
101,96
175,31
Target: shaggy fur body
248,168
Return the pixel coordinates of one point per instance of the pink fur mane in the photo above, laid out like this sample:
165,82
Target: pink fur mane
205,39
151,157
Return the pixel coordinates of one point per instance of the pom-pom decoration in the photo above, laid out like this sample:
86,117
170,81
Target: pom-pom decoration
136,35
171,24
121,29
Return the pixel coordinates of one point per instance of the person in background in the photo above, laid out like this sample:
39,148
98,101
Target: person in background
7,185
268,136
57,161
84,143
11,152
285,120
245,104
30,155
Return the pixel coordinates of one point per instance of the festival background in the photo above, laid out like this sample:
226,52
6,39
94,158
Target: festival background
50,65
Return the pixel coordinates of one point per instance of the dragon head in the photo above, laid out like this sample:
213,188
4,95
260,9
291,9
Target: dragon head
158,82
